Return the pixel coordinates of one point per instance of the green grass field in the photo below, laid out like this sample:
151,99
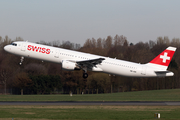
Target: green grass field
88,112
153,95
93,112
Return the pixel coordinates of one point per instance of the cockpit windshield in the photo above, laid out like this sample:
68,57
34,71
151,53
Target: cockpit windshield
14,44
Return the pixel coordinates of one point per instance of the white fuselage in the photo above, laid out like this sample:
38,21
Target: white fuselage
57,55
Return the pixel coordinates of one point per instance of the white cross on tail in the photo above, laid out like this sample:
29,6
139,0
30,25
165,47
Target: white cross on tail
164,57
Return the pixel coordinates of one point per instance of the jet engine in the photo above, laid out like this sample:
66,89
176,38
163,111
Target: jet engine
67,65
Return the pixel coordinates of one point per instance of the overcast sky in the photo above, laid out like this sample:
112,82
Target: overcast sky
78,20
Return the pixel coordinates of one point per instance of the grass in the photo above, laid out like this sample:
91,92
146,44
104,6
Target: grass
153,95
88,112
93,112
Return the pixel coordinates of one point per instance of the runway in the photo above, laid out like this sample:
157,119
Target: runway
90,103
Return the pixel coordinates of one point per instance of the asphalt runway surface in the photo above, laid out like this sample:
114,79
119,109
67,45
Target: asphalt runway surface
90,103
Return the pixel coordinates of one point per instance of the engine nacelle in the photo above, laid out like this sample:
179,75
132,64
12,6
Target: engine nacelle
97,69
67,65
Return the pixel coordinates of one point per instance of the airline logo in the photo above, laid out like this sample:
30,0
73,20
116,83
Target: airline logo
38,49
165,57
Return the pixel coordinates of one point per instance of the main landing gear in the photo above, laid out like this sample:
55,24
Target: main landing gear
85,75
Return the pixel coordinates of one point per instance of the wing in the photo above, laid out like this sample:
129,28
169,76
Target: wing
90,63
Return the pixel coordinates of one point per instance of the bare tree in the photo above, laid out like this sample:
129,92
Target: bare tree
34,68
22,81
99,43
19,39
119,40
108,42
175,42
5,74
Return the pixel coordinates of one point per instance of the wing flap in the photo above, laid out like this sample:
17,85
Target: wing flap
90,63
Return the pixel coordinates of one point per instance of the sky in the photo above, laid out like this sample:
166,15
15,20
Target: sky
78,20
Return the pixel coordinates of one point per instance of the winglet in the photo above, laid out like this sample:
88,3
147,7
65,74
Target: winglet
162,60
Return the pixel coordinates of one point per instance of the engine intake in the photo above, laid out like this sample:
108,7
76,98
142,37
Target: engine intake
67,65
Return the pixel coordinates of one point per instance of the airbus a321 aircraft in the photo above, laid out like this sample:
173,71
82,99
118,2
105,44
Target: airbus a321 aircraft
73,60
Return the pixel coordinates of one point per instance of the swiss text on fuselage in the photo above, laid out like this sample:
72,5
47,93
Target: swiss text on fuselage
38,49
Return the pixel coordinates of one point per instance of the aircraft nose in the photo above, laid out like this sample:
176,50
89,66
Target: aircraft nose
6,48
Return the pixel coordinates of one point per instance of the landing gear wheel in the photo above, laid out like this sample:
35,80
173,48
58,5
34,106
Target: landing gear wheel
85,75
22,58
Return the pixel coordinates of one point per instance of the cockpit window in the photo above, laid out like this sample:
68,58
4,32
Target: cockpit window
14,44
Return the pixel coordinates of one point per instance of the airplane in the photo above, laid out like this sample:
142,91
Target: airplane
74,60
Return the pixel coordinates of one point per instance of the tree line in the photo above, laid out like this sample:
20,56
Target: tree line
38,77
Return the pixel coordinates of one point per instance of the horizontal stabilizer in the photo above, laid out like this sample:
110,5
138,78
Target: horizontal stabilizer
161,72
164,73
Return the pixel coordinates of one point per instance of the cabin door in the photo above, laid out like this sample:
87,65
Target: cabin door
56,55
23,47
143,72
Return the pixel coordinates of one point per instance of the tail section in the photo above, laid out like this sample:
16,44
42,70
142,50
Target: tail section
162,60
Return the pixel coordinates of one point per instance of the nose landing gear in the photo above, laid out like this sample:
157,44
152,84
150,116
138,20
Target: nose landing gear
22,58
